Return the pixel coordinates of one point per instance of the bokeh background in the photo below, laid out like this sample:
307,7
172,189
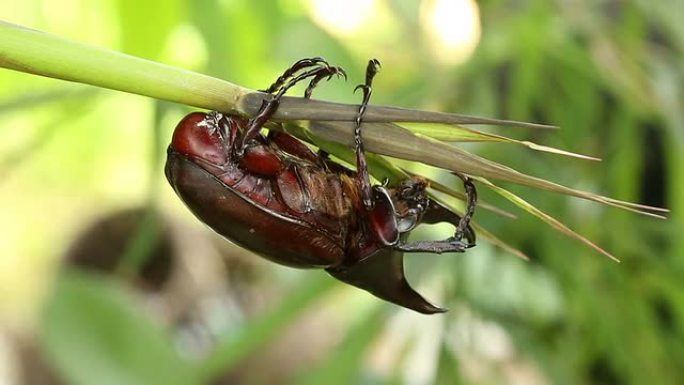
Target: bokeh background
106,279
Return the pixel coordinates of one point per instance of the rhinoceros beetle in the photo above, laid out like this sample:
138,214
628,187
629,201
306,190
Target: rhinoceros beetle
273,195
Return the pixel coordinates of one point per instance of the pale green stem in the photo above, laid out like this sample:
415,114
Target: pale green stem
26,50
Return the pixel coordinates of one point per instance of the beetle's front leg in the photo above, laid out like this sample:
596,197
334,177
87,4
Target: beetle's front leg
289,73
436,213
450,245
270,106
361,164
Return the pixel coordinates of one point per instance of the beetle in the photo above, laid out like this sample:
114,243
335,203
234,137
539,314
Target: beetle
275,196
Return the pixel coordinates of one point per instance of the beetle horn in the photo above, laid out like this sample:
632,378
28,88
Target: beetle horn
382,274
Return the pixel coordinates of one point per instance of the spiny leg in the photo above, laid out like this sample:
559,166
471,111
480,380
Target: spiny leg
269,107
291,72
295,146
361,164
436,213
471,202
316,79
450,245
299,65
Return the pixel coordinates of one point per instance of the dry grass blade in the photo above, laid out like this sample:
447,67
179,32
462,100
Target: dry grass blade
456,133
293,108
544,217
499,242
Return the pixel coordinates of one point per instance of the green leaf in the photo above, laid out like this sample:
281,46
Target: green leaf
456,133
95,333
496,241
27,50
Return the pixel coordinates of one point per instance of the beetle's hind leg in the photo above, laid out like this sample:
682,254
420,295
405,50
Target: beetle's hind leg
361,164
463,228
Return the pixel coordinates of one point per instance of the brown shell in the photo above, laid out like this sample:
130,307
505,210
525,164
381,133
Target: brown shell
273,235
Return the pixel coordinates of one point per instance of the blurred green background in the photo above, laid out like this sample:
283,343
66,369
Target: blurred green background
106,279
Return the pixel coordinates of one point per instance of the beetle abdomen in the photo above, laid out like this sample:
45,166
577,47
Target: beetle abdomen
272,234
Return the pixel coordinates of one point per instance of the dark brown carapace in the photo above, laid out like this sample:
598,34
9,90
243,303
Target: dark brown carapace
273,195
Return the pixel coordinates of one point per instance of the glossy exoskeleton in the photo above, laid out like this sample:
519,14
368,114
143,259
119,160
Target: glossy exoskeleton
276,197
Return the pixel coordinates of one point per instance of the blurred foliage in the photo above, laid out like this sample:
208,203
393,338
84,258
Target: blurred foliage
610,73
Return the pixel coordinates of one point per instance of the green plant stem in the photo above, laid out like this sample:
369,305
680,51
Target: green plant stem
27,50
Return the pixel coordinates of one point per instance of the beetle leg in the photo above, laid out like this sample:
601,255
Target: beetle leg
300,64
269,107
361,164
449,245
436,213
316,79
464,223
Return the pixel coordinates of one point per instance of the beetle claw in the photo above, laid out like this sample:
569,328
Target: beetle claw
436,213
292,71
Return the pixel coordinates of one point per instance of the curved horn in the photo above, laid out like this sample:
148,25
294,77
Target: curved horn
382,274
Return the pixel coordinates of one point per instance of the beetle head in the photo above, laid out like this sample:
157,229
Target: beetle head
205,137
410,201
